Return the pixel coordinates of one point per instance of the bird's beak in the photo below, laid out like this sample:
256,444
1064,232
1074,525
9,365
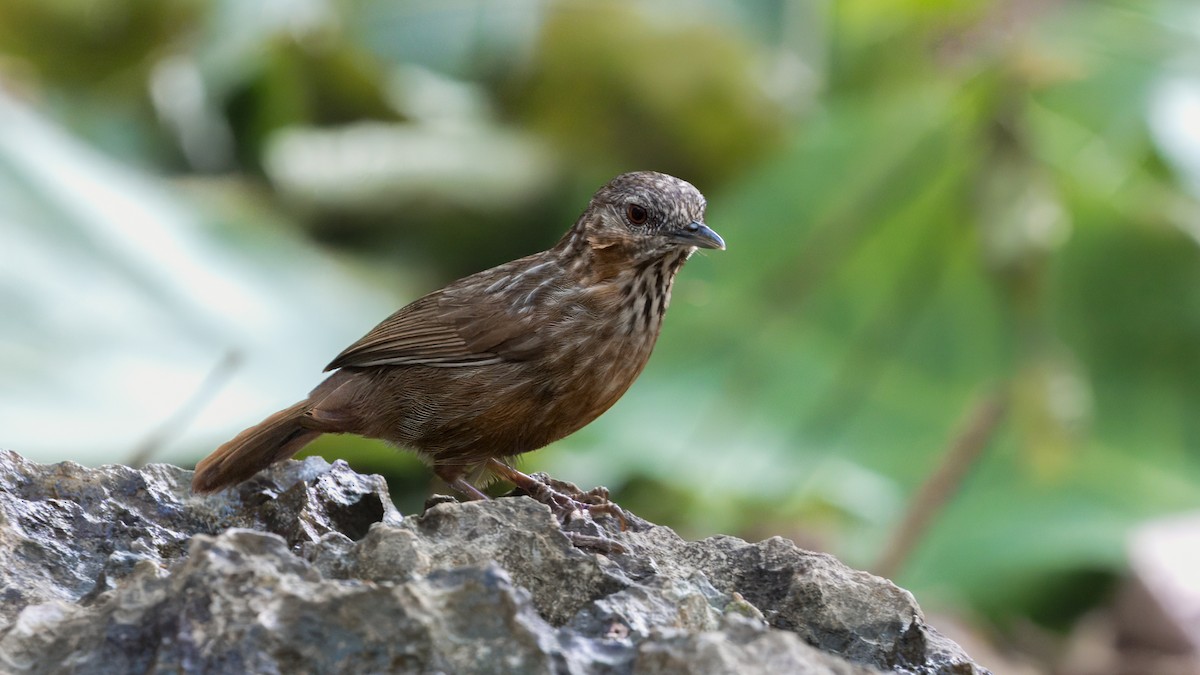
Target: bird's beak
700,235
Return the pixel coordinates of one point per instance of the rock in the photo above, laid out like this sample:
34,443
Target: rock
309,568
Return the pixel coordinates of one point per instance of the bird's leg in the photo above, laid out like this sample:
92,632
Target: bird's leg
452,475
469,491
563,505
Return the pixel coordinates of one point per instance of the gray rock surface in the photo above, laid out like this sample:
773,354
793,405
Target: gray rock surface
308,568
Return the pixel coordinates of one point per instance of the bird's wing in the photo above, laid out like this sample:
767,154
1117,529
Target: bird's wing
469,323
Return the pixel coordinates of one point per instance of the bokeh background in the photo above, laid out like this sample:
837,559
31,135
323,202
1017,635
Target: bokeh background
955,338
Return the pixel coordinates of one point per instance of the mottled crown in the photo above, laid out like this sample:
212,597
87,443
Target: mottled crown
671,203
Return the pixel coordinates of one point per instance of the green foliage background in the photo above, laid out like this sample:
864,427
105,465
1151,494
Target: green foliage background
924,205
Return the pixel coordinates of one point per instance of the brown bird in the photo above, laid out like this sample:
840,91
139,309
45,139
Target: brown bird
507,360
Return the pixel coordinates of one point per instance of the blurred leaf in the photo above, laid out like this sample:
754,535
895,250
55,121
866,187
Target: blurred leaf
99,44
637,88
318,82
123,295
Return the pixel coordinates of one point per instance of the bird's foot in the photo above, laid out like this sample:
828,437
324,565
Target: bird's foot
592,542
567,502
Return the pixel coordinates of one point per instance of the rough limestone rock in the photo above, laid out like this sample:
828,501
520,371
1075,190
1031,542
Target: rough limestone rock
308,568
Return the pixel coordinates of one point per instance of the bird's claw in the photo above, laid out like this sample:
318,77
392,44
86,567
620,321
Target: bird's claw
565,500
599,544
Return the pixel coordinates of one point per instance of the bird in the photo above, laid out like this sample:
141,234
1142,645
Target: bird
507,360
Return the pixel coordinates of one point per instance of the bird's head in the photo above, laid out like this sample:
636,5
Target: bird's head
648,212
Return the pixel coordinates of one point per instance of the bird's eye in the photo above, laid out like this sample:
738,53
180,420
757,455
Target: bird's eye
638,215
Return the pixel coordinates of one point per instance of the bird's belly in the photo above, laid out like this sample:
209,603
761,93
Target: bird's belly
507,409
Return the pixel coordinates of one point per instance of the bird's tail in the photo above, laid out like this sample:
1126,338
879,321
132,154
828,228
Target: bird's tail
274,439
